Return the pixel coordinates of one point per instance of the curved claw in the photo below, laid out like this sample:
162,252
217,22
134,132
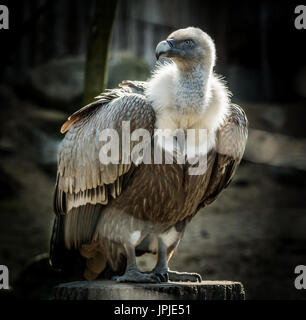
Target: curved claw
199,277
163,276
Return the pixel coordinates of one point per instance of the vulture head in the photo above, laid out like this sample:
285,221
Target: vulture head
188,47
185,89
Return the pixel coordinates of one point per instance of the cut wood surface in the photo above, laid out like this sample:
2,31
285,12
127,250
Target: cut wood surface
110,290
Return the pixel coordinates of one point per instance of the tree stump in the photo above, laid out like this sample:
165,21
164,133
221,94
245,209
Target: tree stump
110,290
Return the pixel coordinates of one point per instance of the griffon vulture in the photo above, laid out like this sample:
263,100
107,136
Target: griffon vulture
107,214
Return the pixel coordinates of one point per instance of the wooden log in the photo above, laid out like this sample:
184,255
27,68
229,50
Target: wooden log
110,290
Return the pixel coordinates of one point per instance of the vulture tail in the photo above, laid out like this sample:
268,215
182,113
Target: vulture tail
68,261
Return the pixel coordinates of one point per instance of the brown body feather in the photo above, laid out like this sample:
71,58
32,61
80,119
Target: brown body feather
101,206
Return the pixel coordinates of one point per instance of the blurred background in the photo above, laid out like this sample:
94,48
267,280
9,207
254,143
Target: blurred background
256,231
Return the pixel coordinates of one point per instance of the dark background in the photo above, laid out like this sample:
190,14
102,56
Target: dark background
256,230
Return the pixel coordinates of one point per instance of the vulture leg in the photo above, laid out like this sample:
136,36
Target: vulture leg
161,269
163,272
132,274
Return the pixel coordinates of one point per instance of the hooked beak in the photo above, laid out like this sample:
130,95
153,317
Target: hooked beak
165,48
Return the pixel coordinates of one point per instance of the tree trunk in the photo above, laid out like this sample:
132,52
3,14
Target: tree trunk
98,47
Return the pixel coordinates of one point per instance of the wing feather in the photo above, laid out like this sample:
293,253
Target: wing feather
125,86
81,178
232,137
84,185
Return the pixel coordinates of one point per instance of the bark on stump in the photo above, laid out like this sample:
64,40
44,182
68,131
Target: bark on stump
110,290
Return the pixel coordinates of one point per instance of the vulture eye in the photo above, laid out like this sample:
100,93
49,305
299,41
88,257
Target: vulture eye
187,42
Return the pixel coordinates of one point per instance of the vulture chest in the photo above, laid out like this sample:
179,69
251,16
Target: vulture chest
164,194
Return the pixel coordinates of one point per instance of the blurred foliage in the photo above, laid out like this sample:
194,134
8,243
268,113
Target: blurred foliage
126,66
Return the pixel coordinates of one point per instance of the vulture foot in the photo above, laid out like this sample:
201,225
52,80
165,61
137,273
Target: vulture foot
163,275
184,276
136,276
167,275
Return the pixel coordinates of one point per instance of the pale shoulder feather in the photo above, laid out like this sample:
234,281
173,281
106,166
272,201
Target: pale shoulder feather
231,142
232,135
